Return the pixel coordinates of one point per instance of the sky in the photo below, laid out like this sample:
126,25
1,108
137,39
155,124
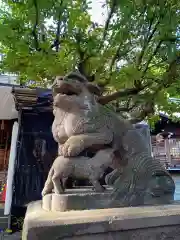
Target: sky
98,13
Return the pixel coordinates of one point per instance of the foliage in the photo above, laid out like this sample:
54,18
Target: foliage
135,54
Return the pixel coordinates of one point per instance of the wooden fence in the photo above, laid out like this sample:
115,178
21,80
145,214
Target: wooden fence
167,151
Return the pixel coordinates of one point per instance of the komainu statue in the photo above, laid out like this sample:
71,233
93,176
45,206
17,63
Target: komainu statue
81,124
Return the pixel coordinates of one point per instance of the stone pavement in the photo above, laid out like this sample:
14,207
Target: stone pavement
14,236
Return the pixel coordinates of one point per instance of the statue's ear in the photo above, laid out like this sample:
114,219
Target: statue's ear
54,85
94,89
55,81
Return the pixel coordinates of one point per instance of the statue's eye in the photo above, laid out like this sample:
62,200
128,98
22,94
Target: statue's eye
59,79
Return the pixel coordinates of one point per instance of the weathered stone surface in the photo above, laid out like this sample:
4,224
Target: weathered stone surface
136,223
86,198
14,236
76,199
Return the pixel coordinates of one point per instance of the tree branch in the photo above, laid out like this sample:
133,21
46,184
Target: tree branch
122,93
114,59
83,58
171,73
147,109
168,78
34,31
58,31
110,15
151,57
147,40
117,56
125,109
43,35
122,109
81,63
57,42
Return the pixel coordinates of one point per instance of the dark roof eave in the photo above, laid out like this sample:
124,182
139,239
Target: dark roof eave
31,98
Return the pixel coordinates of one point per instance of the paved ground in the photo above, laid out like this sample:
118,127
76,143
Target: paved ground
15,236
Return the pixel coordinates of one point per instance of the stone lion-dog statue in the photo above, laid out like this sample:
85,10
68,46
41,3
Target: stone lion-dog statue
81,122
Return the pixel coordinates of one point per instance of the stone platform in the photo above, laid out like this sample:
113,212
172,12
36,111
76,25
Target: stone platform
133,223
77,199
86,198
81,213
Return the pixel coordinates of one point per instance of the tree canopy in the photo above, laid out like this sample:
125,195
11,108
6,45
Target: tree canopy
134,57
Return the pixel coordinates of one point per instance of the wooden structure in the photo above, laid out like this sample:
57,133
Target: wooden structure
36,148
27,98
167,150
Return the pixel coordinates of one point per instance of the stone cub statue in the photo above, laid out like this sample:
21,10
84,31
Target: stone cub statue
81,167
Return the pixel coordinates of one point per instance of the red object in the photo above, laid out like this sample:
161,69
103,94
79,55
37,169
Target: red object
3,198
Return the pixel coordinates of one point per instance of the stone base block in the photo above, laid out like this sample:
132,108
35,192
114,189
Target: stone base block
86,199
77,199
133,223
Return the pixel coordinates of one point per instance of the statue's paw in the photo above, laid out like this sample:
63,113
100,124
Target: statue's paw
71,149
46,190
43,193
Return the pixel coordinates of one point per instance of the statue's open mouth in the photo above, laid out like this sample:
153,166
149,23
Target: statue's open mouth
69,93
67,89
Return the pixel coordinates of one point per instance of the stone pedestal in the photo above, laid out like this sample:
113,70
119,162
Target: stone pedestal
86,199
78,199
133,223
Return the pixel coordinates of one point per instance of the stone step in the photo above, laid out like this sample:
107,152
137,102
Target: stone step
14,236
3,219
3,222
